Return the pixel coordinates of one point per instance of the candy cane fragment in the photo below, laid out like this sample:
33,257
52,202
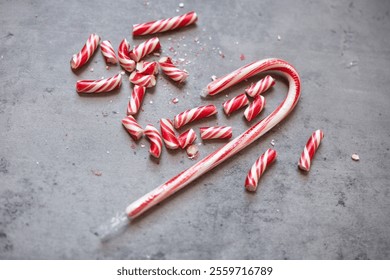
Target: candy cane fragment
123,56
310,149
254,108
261,86
215,132
168,134
258,169
108,52
193,115
146,67
155,140
172,71
235,103
135,101
142,80
144,49
86,52
187,138
132,127
102,85
164,24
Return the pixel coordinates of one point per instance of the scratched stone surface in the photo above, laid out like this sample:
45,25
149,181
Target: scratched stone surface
54,143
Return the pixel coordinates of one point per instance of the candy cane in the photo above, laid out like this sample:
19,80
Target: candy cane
261,86
137,96
310,149
86,52
108,52
172,71
258,169
216,132
186,138
164,24
254,108
142,80
102,85
181,180
235,103
144,49
132,127
168,134
194,114
123,56
155,140
146,67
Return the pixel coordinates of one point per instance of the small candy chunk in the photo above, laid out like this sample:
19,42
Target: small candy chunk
194,114
136,99
172,71
355,157
144,49
146,67
168,134
164,24
155,140
192,151
216,132
261,86
123,56
254,108
310,149
142,80
108,52
235,103
258,169
86,52
102,85
187,138
132,127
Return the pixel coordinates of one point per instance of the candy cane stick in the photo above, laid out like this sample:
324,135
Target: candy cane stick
108,52
179,181
164,24
142,80
86,52
172,71
168,134
123,56
258,169
261,86
155,140
194,114
254,108
102,85
144,49
137,96
216,132
235,103
310,149
186,138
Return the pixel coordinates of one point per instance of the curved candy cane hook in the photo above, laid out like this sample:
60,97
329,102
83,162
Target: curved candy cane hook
184,178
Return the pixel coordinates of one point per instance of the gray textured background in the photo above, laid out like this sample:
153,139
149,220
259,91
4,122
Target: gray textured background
51,138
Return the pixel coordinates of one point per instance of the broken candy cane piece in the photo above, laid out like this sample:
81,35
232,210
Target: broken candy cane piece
102,85
235,103
216,132
123,56
168,134
258,169
164,24
146,67
132,127
155,140
254,108
172,71
108,52
261,86
187,138
144,49
142,80
194,114
86,52
135,101
310,149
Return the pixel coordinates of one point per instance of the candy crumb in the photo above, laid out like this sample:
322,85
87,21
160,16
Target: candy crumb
355,157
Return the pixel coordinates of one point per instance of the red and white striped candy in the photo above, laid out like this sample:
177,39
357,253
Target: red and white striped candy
172,71
261,86
235,103
86,52
144,49
136,99
310,149
123,56
102,85
187,138
194,114
142,80
254,108
215,132
146,67
155,140
164,24
108,52
132,127
258,169
168,134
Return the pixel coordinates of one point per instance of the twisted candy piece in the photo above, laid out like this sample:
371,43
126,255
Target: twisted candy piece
144,49
132,127
168,134
216,132
261,86
135,101
123,56
254,108
194,114
147,68
108,52
187,138
258,169
155,140
235,103
86,52
102,85
164,24
172,71
310,149
142,80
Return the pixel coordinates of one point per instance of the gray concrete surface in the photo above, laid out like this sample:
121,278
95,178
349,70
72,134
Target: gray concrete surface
51,137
